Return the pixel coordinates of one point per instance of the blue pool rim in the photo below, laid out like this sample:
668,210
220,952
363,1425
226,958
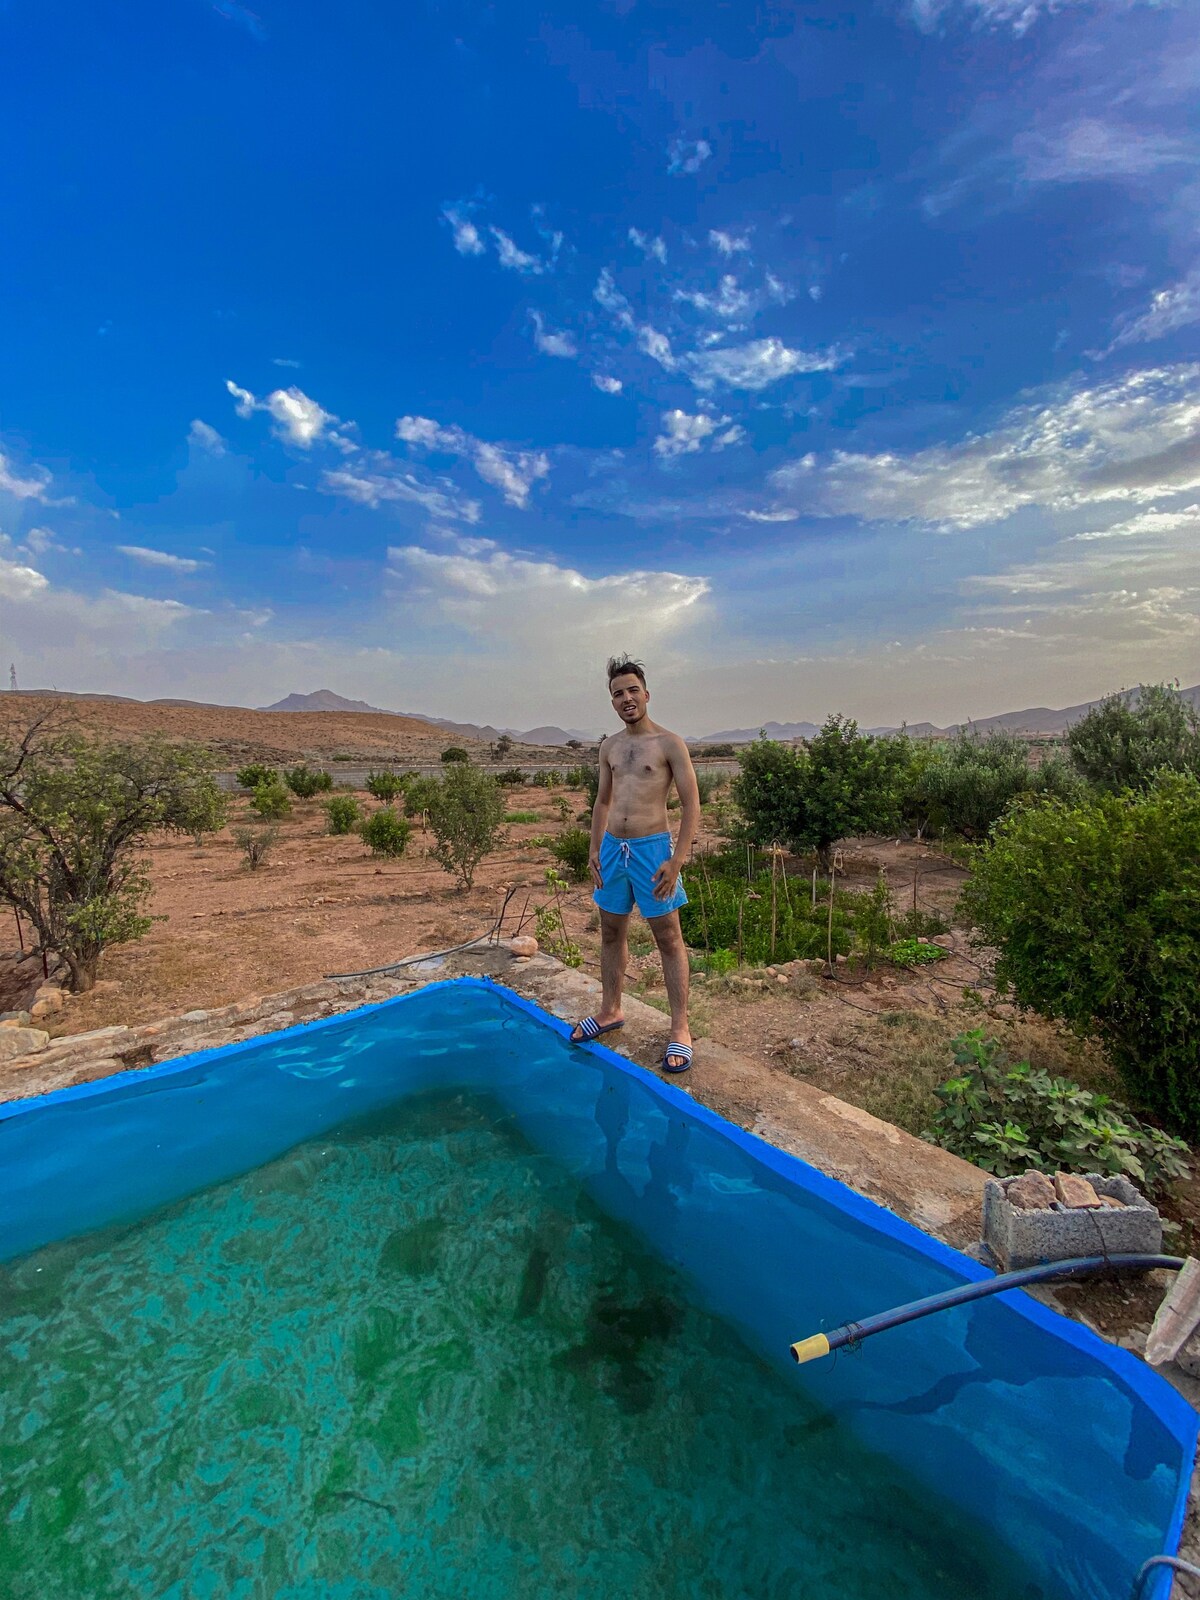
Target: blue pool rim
1165,1402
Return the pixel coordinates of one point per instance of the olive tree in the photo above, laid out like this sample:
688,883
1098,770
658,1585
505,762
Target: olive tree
1123,742
73,813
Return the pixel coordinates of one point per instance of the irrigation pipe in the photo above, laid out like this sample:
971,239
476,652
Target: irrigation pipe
853,1333
1147,1567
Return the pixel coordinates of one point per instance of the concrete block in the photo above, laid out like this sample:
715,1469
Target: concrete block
1019,1238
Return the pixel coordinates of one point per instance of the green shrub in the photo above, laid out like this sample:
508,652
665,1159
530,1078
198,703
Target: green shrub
714,752
343,813
550,926
304,782
873,921
551,778
915,924
591,785
419,794
511,777
1006,1118
965,785
386,833
255,844
271,800
572,848
912,953
385,786
717,903
454,753
521,816
1121,746
717,963
1095,912
575,777
709,784
255,774
465,815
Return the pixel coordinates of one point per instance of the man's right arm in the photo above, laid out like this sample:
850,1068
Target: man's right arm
600,818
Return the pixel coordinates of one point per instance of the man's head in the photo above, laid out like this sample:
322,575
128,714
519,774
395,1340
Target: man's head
627,687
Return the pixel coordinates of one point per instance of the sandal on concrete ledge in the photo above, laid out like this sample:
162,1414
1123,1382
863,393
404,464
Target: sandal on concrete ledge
589,1028
682,1053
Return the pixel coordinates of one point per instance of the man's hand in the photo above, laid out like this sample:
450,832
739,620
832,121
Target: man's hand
594,864
665,879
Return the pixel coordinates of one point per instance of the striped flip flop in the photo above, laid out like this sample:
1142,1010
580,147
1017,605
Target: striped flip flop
589,1028
681,1052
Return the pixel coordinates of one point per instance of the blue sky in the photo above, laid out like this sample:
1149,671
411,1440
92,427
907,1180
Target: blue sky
830,357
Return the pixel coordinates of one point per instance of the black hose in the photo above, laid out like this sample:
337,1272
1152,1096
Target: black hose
820,1344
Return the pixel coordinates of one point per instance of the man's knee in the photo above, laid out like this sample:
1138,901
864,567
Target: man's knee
612,929
667,932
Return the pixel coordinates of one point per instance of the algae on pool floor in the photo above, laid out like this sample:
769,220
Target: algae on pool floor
413,1358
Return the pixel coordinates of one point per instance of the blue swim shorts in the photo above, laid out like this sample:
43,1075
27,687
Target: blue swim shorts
628,867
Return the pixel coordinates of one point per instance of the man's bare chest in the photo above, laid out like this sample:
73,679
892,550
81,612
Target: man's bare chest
642,762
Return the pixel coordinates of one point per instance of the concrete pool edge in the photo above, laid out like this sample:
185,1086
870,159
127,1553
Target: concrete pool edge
1151,1390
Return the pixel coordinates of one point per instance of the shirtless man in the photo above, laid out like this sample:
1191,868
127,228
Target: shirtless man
631,856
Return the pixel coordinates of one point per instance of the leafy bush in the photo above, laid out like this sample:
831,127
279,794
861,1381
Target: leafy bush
255,844
206,811
551,778
511,777
255,774
419,794
386,833
717,963
465,815
343,813
1007,1118
840,783
385,786
454,753
271,800
573,847
551,928
1095,911
912,953
873,921
304,782
714,752
709,784
915,924
719,906
521,816
591,784
576,777
1119,745
965,785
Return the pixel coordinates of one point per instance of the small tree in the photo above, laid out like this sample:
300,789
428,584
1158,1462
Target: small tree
502,746
966,784
1095,911
73,812
304,782
255,844
385,786
1121,744
386,833
419,794
573,849
454,753
271,801
465,813
343,813
255,774
207,811
511,777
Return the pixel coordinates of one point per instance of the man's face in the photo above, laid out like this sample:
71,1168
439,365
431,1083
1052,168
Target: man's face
629,698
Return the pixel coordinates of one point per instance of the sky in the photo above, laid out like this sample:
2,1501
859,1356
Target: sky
828,357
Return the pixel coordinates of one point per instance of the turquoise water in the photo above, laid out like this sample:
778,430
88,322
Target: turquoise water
412,1357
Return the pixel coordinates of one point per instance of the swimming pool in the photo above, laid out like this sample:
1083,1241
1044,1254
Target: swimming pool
419,1299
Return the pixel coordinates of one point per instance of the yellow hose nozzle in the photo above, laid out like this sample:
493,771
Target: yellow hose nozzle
810,1349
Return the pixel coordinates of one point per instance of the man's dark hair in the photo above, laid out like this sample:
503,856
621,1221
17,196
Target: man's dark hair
620,666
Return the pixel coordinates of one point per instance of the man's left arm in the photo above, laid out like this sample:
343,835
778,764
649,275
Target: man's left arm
684,776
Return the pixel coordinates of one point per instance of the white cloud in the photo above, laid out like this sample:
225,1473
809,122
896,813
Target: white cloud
511,599
206,438
467,240
657,346
778,290
610,297
286,361
649,247
20,583
606,384
160,558
384,483
298,419
1145,523
513,257
1169,310
1090,148
687,155
729,244
683,434
551,342
756,365
23,488
1019,15
513,472
729,302
1136,438
779,514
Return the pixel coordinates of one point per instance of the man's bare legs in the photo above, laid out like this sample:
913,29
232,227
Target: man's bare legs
614,954
669,937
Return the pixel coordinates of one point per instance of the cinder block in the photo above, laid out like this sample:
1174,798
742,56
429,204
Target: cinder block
1025,1238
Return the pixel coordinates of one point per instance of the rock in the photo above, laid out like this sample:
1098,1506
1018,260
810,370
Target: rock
1074,1191
840,961
16,1042
782,977
44,1008
523,944
1032,1191
14,1019
1111,1201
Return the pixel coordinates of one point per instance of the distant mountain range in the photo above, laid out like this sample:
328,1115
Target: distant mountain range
327,700
1035,720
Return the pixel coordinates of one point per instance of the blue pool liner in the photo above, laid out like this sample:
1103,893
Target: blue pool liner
1086,1474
